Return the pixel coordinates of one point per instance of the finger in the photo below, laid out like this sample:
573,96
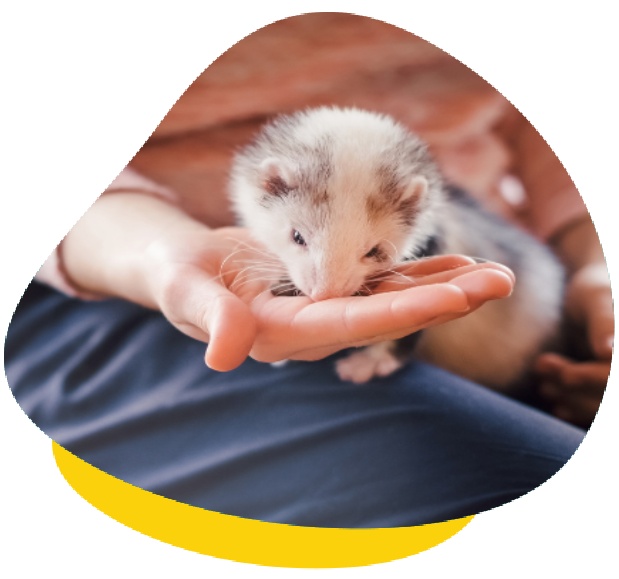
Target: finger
434,264
591,376
314,354
483,285
479,287
438,263
432,275
579,409
549,365
204,309
576,406
569,375
298,325
324,351
352,319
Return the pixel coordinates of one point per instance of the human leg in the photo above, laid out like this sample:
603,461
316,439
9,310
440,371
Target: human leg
118,386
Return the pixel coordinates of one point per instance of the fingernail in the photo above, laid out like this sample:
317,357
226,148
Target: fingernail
497,267
468,260
485,284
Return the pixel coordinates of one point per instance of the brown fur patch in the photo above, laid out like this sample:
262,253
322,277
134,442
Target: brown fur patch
276,186
380,207
316,172
390,187
407,211
380,256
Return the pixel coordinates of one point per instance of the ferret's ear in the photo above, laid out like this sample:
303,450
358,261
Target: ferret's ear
276,177
417,187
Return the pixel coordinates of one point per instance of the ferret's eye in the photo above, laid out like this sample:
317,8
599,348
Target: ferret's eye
374,252
298,238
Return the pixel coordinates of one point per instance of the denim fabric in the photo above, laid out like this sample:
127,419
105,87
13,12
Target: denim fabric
118,386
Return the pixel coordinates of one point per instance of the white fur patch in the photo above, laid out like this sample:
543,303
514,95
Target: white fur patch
370,362
330,170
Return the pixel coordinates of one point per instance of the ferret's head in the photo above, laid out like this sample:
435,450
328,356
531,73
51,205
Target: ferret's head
338,196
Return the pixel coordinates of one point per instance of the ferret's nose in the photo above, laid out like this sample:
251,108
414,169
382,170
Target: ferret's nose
334,286
318,294
323,294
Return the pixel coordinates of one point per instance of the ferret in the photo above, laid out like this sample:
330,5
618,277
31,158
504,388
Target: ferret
341,195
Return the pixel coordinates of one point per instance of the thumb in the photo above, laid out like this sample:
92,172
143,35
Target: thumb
231,329
203,308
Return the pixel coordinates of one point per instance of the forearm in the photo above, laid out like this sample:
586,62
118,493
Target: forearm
142,249
110,250
578,245
573,382
588,297
553,202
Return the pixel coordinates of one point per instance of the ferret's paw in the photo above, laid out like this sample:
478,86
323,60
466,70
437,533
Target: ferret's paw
371,362
279,364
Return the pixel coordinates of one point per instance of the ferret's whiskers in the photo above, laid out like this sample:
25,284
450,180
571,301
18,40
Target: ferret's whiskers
257,266
272,267
403,278
388,275
266,258
282,285
224,262
244,246
395,249
249,276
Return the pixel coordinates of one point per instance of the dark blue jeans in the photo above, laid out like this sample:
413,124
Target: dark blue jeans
118,386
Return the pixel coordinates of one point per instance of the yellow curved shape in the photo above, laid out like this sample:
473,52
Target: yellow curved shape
244,540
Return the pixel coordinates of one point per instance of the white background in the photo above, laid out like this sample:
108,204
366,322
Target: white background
84,84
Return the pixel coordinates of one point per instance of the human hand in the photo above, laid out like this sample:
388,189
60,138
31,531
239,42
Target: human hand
574,387
435,290
216,287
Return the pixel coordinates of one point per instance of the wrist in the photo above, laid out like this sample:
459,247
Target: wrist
107,251
167,259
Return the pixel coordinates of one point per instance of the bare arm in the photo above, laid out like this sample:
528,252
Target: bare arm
142,249
575,388
145,250
589,299
557,213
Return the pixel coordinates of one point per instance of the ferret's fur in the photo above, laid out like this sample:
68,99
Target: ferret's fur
339,195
